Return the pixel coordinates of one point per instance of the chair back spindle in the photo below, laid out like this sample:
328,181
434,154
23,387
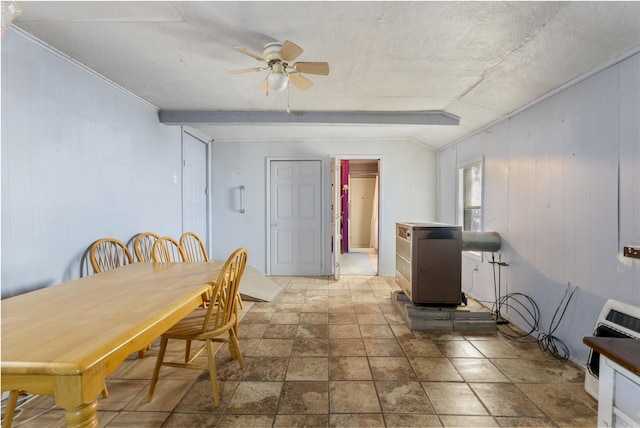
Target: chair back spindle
143,246
168,250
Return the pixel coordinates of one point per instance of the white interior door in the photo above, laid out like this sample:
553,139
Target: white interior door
335,216
295,217
194,186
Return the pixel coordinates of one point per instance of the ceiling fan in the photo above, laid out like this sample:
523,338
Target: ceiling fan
279,59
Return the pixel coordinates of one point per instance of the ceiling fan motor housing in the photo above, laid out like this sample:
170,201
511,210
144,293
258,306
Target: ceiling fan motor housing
272,51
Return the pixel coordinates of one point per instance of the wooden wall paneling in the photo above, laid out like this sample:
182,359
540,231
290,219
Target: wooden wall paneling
604,136
629,175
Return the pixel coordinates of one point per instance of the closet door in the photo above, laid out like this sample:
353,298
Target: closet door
195,180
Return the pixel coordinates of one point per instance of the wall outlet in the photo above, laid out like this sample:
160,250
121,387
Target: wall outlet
632,251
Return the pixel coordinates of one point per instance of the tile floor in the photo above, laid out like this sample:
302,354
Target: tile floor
329,353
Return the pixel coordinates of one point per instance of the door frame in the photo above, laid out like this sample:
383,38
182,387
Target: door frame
335,248
324,229
338,158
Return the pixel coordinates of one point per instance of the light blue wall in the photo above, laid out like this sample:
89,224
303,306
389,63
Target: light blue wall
81,160
407,190
562,182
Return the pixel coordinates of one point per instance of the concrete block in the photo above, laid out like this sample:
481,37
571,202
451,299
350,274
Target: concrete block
474,325
430,325
419,313
483,315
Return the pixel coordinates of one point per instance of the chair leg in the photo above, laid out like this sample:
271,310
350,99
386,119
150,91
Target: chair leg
211,356
143,352
235,327
105,392
187,351
240,301
156,370
234,348
10,410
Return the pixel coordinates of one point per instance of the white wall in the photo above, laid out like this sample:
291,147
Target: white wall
562,187
81,160
407,181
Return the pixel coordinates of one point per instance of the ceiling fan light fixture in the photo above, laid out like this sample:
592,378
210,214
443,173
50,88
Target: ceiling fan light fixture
278,58
277,81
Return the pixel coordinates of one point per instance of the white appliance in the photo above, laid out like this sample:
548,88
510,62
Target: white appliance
617,319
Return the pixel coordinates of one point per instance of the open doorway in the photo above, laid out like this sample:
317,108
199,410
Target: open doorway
359,197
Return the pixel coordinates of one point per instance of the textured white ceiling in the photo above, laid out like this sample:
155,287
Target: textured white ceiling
479,61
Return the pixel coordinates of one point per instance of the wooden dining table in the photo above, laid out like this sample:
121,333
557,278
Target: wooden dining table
64,340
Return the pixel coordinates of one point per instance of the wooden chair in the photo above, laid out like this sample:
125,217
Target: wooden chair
143,246
108,253
215,323
167,250
195,250
193,247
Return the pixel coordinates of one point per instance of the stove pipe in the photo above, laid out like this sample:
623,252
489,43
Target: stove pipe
481,241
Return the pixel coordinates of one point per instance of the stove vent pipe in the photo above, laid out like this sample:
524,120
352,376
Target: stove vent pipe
481,241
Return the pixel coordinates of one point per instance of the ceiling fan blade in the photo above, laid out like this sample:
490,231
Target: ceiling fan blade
264,85
289,51
248,52
299,81
321,68
248,70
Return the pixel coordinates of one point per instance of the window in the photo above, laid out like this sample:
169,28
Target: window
470,196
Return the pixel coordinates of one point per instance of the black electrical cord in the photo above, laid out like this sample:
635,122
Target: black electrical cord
547,341
527,309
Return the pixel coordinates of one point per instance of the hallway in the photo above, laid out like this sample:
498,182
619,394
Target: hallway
359,261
